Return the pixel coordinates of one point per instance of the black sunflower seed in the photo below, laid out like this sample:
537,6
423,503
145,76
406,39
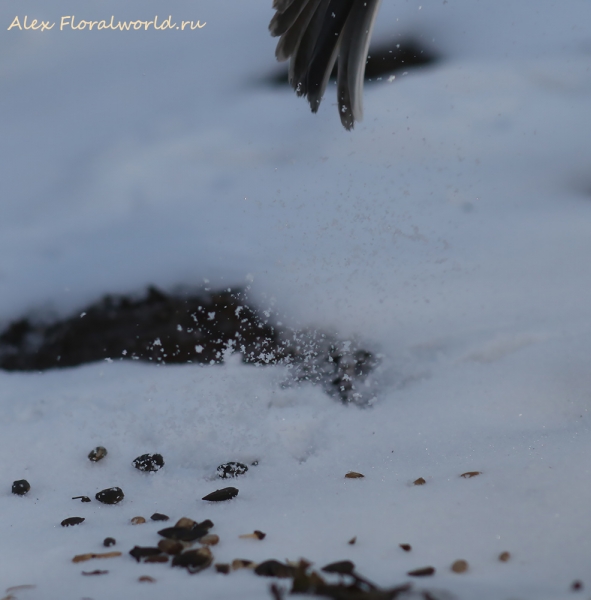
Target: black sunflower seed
109,542
424,572
221,495
343,567
149,462
181,534
193,560
110,495
21,487
231,469
97,454
82,498
274,568
72,521
159,517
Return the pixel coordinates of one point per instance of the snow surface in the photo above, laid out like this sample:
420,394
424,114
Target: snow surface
450,232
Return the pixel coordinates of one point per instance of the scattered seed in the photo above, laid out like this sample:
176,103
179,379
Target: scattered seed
459,566
231,469
110,495
16,588
424,572
222,568
419,481
95,572
343,567
255,535
194,560
72,521
139,552
181,534
97,454
21,487
107,542
147,579
149,462
157,558
84,557
242,563
221,495
504,556
274,568
82,498
354,475
470,474
576,585
159,517
406,547
185,523
352,540
137,520
170,546
210,540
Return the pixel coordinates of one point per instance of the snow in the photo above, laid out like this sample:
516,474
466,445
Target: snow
449,232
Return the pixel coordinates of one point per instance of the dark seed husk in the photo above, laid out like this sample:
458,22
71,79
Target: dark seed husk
97,454
82,498
470,474
354,475
221,495
274,568
504,556
231,469
159,517
352,540
95,572
110,495
222,568
170,546
109,541
21,487
419,481
146,578
149,462
139,552
184,535
424,572
343,567
72,521
193,560
576,585
406,547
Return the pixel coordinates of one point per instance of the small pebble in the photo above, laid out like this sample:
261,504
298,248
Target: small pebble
72,521
222,568
504,556
149,462
147,579
110,495
459,566
419,481
406,547
137,520
159,517
97,454
108,542
221,495
231,469
82,498
424,572
354,475
470,474
21,487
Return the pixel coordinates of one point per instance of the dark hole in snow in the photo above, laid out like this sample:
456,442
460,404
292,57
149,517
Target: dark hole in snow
384,58
179,328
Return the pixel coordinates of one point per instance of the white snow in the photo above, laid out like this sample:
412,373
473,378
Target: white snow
450,231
